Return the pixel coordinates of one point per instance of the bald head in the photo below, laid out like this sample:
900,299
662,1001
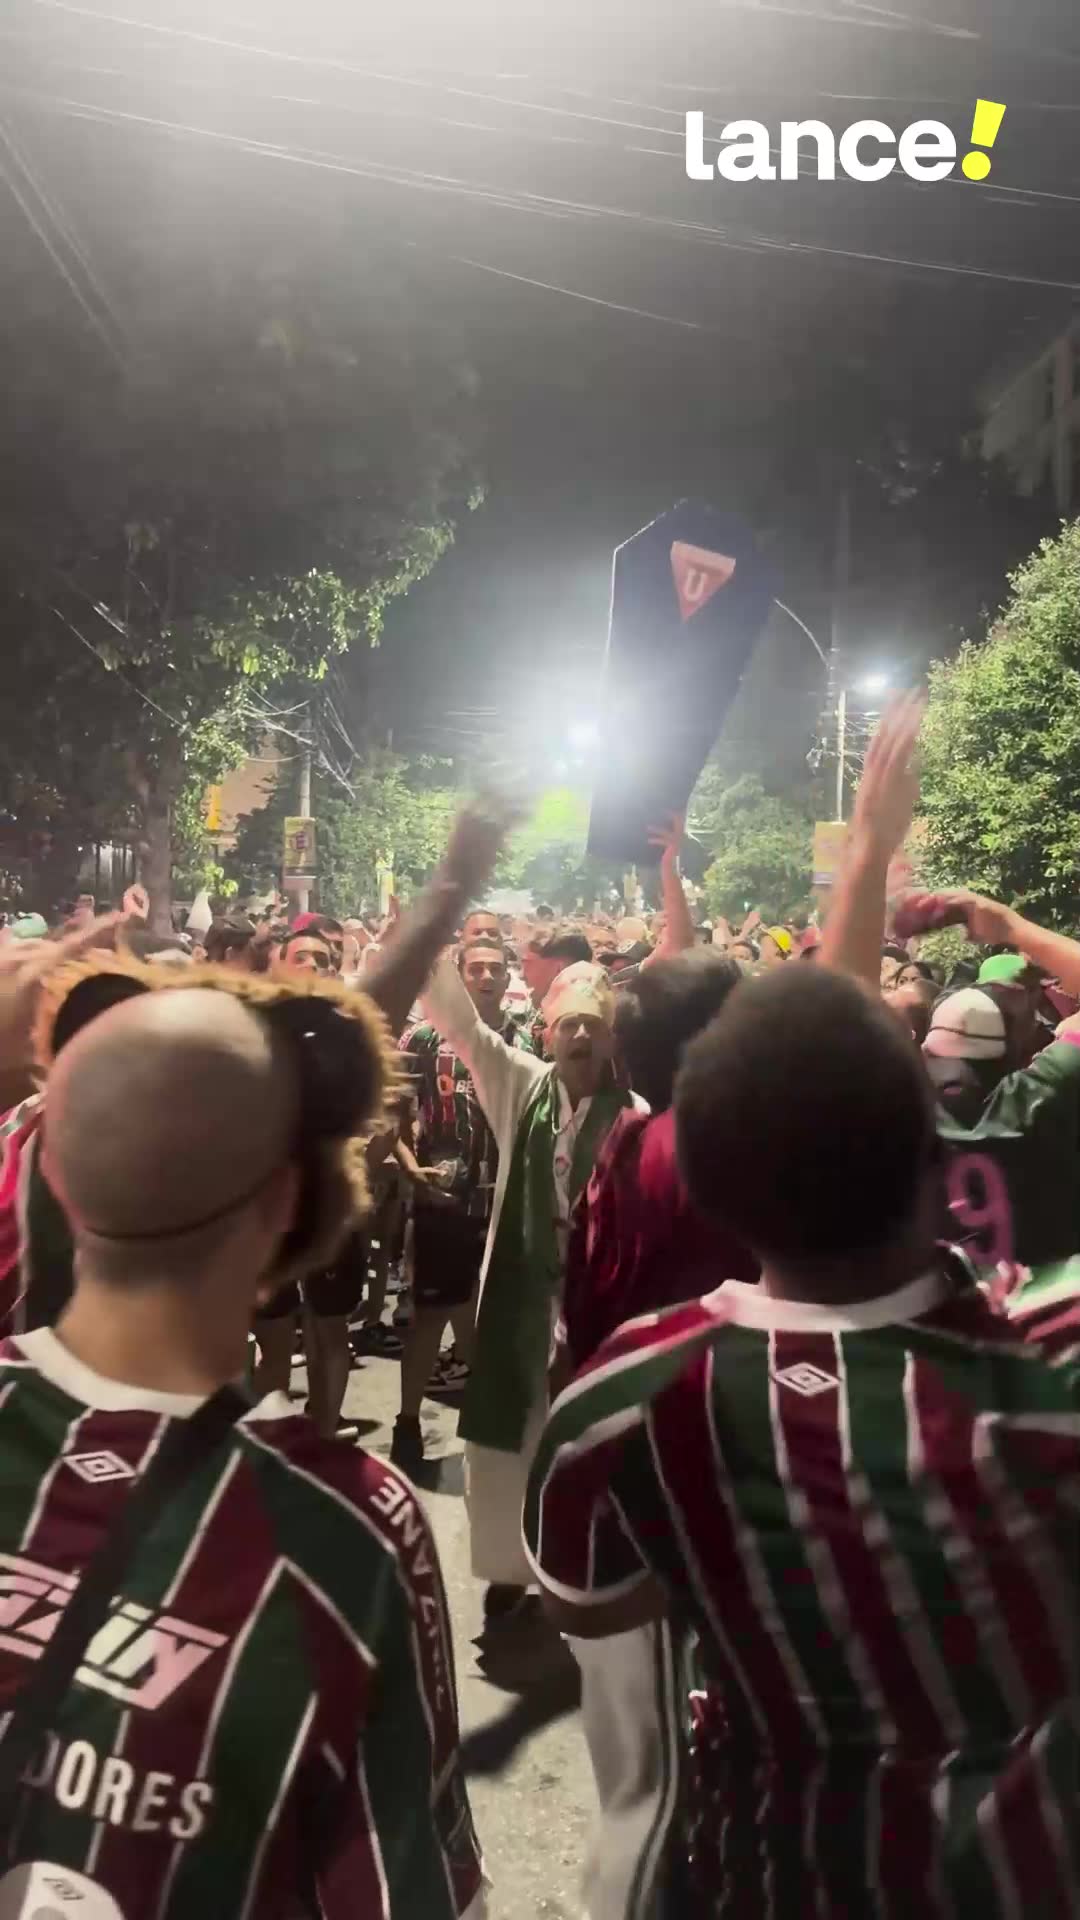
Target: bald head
167,1110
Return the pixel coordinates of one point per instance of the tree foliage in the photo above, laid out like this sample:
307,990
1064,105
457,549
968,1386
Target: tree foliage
546,856
762,845
399,811
284,449
1000,794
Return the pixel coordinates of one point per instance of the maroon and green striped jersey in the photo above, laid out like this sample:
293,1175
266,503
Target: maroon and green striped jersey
266,1724
871,1521
1014,1176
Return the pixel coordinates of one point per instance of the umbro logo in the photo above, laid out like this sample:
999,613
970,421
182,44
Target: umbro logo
806,1379
96,1467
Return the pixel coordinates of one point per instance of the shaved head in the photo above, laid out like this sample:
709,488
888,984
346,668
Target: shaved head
164,1116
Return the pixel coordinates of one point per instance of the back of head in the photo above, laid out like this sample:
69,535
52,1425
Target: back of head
225,937
804,1120
661,1011
991,1026
164,1117
564,944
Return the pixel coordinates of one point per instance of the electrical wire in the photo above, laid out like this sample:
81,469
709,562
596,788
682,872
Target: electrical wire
1023,195
116,671
62,225
29,213
410,178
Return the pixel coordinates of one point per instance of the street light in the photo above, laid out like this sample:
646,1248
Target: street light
875,683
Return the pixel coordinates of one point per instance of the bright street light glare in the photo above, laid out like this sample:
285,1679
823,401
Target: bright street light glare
875,683
583,735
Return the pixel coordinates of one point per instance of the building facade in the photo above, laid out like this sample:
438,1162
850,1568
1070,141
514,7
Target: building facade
1031,420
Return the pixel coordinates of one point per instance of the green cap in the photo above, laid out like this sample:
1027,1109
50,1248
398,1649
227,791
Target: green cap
1006,968
29,926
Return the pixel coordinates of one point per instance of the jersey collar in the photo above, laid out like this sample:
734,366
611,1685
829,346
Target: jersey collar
49,1357
748,1306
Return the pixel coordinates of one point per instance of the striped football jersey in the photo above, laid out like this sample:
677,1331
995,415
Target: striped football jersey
266,1723
871,1520
1014,1176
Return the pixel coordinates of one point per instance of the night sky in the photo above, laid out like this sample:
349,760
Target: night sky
637,336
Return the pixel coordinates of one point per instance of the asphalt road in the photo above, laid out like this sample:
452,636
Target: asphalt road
533,1821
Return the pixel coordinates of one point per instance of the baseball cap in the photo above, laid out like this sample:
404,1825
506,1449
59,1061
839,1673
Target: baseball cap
968,1025
303,921
782,938
1007,969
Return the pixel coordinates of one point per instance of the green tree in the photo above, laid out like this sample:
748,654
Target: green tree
283,450
762,845
398,810
546,856
1001,746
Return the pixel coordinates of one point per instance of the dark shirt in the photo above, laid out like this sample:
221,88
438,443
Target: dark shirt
451,1130
637,1243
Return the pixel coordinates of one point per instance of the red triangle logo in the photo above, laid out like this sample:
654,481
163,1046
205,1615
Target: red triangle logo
698,574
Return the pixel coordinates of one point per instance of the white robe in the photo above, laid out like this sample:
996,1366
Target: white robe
504,1078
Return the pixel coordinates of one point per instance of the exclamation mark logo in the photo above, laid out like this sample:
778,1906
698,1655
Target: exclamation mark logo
984,131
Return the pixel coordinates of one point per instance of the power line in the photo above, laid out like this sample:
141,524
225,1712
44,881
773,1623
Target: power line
26,207
109,668
62,225
522,201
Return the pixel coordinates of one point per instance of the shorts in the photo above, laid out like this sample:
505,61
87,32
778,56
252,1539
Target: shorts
448,1252
333,1293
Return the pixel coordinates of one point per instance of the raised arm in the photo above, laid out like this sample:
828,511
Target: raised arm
884,807
996,926
678,921
502,1074
395,980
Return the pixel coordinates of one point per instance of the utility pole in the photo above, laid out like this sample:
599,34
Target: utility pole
303,892
841,588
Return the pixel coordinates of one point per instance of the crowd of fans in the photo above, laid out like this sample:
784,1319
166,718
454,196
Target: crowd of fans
764,1285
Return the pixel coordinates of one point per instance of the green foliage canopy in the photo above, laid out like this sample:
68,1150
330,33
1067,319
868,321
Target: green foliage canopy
762,845
1001,747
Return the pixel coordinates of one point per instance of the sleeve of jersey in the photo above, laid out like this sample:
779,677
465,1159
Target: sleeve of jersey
420,1853
599,1259
574,1535
1054,1074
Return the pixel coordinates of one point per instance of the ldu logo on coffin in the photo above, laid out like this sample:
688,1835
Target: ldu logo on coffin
698,574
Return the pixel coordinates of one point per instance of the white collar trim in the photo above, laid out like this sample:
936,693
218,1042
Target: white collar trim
750,1306
51,1358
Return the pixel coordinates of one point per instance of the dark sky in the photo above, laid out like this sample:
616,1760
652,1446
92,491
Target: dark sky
637,336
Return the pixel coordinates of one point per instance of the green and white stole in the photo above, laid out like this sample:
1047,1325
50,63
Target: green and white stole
524,1276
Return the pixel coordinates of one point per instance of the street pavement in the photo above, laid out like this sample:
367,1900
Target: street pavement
534,1820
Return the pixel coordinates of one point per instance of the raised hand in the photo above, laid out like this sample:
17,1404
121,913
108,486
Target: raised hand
476,839
889,788
136,903
669,839
25,965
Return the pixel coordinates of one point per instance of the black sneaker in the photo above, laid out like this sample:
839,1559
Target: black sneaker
407,1445
502,1603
